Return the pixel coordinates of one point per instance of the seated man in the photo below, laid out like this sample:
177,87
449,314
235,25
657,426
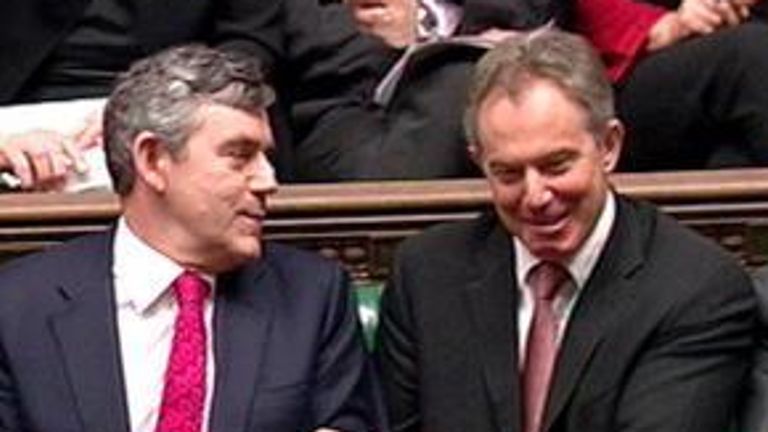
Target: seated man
569,308
180,318
62,52
689,73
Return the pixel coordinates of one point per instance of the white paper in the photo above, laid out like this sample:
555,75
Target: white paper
66,117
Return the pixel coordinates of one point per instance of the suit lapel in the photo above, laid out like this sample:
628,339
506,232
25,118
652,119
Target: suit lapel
492,305
86,335
243,318
605,296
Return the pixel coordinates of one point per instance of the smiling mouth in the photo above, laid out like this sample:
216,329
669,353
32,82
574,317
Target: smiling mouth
254,215
253,219
547,228
256,212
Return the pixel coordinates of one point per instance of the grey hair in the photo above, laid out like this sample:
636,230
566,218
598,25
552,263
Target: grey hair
163,94
565,59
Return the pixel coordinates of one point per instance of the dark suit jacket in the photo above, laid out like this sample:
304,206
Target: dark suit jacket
660,338
318,60
480,15
289,356
31,30
419,134
754,417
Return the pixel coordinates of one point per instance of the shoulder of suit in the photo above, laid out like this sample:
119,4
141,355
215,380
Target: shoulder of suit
760,276
676,245
294,270
66,256
30,285
291,257
451,236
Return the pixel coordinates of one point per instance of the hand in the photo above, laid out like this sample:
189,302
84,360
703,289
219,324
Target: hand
669,29
91,133
697,17
41,159
705,16
393,21
734,12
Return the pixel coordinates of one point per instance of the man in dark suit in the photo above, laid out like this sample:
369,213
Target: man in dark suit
74,49
689,77
180,318
569,308
390,139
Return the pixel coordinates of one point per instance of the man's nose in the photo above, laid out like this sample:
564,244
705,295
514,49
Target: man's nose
537,191
263,179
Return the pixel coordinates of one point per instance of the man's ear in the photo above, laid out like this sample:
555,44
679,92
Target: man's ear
612,142
474,154
152,160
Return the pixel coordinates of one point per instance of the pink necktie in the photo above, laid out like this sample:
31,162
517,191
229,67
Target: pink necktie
184,393
545,279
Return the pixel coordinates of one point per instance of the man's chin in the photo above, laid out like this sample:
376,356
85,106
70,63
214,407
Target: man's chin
250,252
239,255
549,250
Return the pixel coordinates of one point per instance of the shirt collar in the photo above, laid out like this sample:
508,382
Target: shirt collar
142,274
579,266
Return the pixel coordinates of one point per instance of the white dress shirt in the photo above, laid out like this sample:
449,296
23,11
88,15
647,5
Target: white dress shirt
579,267
146,313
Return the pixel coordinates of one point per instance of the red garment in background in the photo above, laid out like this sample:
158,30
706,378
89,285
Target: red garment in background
618,29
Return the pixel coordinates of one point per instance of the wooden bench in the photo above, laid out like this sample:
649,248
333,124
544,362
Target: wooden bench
361,223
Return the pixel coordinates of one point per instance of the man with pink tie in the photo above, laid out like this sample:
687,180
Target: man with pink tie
567,308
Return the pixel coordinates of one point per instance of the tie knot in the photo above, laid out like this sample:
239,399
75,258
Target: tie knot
191,288
546,278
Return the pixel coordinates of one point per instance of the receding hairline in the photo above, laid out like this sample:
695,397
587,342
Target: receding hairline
520,92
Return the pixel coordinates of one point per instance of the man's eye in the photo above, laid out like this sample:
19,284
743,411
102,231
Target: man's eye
506,175
557,166
240,154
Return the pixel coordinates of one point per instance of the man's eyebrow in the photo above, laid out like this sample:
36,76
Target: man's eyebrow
244,141
562,154
504,165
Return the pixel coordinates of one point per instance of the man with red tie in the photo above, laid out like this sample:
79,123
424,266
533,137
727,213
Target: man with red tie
180,318
569,308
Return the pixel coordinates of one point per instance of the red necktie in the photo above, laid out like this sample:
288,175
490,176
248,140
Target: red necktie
184,393
545,279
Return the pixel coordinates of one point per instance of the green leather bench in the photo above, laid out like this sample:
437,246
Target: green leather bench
368,294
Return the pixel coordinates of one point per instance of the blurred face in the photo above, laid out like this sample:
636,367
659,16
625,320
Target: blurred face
547,171
216,189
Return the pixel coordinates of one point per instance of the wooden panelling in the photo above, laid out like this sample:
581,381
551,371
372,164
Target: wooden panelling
361,223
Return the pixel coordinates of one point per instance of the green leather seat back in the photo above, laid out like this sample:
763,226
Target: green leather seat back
368,294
